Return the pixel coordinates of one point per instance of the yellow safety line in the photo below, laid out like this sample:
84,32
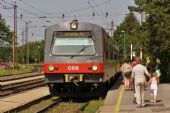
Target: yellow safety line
116,110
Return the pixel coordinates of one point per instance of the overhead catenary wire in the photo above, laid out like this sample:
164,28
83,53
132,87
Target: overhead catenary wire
34,13
7,2
67,12
23,20
37,9
31,6
58,15
22,9
94,9
7,8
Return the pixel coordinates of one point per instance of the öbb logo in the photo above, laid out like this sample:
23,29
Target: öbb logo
73,68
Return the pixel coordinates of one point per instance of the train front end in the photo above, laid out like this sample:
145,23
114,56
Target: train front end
73,58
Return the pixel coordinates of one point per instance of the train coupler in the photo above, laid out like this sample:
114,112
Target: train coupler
76,84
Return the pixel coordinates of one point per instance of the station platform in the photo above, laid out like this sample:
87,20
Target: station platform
119,100
23,98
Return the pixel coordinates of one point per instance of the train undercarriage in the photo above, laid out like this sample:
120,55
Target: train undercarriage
81,89
77,89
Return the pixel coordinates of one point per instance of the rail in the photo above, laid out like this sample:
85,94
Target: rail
20,83
56,103
49,106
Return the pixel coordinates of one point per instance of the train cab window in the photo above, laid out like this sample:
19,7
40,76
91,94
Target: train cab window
73,46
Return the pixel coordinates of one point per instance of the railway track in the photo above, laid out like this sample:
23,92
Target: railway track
18,83
57,105
57,101
51,104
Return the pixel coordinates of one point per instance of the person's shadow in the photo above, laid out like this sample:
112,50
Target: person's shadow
151,104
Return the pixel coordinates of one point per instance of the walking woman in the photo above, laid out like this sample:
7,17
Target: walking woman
126,69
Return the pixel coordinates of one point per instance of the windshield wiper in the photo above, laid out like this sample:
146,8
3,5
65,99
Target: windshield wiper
81,50
84,48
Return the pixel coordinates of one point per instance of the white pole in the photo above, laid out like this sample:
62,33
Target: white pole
141,54
131,47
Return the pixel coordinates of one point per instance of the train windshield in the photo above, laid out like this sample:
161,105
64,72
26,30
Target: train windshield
73,46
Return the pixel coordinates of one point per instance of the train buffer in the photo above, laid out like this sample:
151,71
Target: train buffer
119,100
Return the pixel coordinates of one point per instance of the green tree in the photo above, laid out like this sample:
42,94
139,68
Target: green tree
156,30
36,52
5,53
5,33
128,29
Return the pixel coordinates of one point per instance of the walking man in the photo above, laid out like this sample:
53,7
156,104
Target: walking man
138,74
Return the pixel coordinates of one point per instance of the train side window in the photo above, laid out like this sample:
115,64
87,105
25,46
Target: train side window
107,52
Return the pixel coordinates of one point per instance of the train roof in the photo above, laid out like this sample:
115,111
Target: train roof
80,24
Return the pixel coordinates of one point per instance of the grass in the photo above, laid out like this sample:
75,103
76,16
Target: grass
20,69
93,106
38,106
64,107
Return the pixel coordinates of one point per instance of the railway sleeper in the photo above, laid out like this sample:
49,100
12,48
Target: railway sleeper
19,76
8,86
20,88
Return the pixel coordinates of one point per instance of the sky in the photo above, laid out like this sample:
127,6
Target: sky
42,13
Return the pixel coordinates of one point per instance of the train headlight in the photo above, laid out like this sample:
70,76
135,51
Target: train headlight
51,68
74,25
94,68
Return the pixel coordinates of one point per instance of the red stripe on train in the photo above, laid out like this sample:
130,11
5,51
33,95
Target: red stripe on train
74,68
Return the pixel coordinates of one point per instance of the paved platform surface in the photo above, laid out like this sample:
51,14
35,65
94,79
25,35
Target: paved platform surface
21,99
119,100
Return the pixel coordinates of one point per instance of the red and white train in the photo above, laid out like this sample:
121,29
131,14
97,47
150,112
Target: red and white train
78,57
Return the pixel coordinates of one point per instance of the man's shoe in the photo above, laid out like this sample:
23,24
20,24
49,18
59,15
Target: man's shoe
143,105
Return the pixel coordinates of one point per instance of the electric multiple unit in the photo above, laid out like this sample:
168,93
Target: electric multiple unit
78,56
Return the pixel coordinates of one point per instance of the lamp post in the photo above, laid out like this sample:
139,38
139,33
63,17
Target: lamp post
131,51
123,44
26,42
39,68
38,53
14,41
